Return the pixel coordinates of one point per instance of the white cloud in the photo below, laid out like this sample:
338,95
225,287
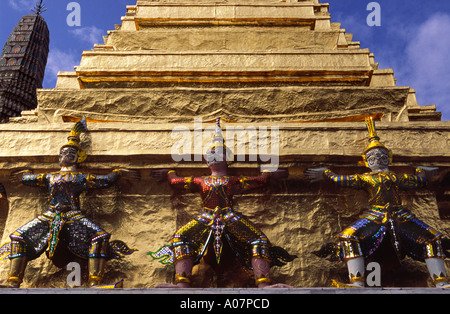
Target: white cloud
59,60
21,5
88,34
427,56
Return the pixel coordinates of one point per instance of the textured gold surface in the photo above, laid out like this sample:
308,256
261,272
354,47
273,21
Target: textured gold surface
254,63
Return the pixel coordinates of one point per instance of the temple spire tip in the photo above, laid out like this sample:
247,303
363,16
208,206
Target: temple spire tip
39,8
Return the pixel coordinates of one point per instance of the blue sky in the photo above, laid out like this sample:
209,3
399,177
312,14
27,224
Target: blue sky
413,38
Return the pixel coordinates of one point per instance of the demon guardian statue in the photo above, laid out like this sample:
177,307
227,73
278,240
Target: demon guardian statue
218,222
386,220
63,231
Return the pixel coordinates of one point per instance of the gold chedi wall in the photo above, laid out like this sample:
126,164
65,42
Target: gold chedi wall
280,66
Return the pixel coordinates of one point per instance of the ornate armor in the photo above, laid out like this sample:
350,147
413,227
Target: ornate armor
386,218
63,218
62,230
386,221
218,221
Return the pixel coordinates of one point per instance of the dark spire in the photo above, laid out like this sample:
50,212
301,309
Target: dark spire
39,8
22,64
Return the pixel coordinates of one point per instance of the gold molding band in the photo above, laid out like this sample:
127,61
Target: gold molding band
262,279
182,278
